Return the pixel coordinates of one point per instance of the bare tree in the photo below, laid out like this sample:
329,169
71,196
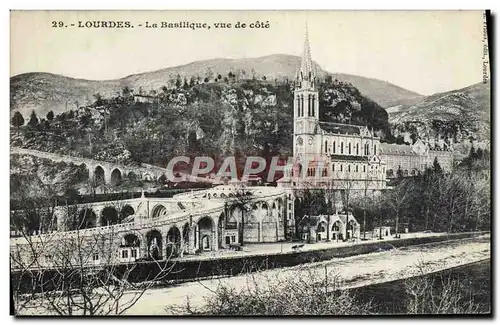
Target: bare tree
241,198
78,273
397,200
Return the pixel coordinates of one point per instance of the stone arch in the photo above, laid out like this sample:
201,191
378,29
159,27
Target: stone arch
158,211
321,231
86,218
351,229
126,212
206,228
154,240
130,240
109,216
173,241
99,175
87,172
116,177
337,230
265,210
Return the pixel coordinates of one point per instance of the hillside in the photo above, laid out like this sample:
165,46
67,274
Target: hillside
237,117
461,114
43,92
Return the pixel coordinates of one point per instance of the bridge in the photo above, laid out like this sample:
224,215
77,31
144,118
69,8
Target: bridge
187,223
103,172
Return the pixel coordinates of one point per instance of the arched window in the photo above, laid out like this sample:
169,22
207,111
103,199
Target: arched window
364,168
374,149
357,149
302,104
349,148
312,106
326,146
356,168
341,167
342,148
333,167
333,146
349,168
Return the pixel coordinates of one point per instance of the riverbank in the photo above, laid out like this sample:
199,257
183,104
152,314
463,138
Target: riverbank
353,272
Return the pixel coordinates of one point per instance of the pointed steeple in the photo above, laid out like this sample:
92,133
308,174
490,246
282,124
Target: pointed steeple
306,71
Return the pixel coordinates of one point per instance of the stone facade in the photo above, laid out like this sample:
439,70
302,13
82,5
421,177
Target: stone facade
415,158
341,155
336,227
147,228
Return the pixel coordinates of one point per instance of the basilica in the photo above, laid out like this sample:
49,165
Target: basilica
340,156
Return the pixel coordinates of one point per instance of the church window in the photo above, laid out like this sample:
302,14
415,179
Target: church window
341,167
349,148
312,106
374,149
324,172
342,148
349,168
333,146
357,148
326,146
364,168
333,167
356,168
302,104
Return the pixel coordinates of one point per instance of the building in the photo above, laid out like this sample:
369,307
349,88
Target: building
414,159
153,228
342,156
335,227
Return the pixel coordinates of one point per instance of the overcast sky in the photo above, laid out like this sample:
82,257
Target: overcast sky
426,52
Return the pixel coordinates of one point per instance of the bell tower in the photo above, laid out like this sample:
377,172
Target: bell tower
305,107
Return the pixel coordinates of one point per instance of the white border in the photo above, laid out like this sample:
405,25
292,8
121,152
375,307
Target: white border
197,4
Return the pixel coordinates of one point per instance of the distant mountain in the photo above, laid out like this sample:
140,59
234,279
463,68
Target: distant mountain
43,92
464,112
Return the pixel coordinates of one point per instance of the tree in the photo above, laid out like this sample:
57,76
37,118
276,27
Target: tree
398,199
241,201
33,122
50,116
17,120
75,273
178,82
436,166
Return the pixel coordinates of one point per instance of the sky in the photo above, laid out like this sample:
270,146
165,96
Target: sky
422,51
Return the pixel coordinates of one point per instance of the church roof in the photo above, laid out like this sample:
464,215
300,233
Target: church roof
340,128
392,148
348,158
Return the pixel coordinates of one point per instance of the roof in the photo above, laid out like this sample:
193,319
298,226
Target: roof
340,128
349,158
392,148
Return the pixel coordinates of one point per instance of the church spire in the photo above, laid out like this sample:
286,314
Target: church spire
306,71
